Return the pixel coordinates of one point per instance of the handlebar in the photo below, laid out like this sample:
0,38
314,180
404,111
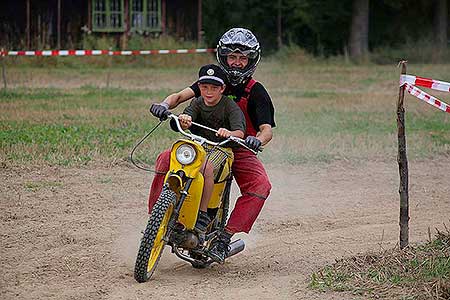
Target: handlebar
202,140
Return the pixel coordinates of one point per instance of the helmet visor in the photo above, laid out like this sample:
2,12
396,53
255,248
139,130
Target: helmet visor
250,53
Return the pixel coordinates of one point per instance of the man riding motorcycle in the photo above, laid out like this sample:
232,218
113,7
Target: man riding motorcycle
238,54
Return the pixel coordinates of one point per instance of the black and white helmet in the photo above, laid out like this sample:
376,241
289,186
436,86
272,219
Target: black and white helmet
242,41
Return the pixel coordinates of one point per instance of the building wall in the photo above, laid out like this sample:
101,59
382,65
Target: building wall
181,22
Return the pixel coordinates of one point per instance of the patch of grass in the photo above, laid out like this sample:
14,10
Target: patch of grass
73,144
327,278
421,272
31,95
324,111
105,180
305,93
37,185
87,97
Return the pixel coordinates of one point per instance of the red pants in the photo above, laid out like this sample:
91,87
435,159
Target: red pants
250,176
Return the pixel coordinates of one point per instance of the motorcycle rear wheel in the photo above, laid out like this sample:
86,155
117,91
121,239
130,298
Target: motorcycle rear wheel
152,243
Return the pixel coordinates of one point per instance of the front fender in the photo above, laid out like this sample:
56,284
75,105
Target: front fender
189,209
174,181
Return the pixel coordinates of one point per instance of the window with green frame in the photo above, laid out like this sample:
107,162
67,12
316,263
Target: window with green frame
145,15
108,16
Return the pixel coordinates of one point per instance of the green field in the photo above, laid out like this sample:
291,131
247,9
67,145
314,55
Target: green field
325,111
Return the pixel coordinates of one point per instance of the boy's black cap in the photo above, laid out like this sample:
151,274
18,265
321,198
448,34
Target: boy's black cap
212,74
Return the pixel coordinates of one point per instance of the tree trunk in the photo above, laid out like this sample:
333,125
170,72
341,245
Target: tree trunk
279,39
440,24
58,26
28,30
163,17
199,23
359,31
125,34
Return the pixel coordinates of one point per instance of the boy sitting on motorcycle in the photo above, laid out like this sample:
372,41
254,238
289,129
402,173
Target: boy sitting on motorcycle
219,112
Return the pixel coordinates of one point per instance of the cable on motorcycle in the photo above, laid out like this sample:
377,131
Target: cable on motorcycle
138,144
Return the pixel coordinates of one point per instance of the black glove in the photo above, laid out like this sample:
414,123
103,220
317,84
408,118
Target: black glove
253,143
160,111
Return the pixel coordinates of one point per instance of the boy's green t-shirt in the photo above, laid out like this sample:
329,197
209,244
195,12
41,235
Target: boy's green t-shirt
225,114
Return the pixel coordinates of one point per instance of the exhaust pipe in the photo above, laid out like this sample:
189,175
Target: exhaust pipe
236,247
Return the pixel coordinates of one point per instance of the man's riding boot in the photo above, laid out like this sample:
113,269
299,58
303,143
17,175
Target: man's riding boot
220,247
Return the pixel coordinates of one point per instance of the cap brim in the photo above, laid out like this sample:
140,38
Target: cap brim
210,81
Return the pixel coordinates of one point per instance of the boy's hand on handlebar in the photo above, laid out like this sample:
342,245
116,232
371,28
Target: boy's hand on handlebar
223,132
253,143
160,110
185,121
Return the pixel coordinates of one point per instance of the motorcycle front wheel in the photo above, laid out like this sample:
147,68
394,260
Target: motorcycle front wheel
152,243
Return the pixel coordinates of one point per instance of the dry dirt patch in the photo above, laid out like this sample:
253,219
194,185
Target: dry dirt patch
73,233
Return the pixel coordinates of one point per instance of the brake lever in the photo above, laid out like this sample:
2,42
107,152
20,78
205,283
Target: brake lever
243,144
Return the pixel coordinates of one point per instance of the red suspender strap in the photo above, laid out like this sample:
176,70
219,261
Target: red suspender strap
243,105
248,88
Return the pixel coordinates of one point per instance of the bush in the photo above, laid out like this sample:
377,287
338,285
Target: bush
422,51
293,54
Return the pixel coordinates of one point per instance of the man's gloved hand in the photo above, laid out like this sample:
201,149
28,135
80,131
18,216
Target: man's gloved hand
253,143
159,110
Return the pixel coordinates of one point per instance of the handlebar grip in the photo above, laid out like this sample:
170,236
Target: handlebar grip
260,148
166,114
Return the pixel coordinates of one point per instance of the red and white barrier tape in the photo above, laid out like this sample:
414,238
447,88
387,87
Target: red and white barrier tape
427,98
425,82
101,52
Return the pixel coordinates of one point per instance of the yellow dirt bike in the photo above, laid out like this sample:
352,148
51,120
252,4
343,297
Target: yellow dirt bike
174,215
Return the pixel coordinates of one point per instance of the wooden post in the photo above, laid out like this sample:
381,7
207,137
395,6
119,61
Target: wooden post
402,166
90,15
108,74
163,17
58,26
28,26
199,22
2,57
38,35
124,39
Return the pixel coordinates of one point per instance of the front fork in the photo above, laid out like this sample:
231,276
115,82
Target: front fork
176,211
226,202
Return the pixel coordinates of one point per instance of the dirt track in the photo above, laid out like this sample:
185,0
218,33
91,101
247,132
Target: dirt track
74,233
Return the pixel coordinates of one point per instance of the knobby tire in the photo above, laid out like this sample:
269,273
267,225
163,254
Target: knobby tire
147,261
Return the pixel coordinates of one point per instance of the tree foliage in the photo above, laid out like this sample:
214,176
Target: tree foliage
320,26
